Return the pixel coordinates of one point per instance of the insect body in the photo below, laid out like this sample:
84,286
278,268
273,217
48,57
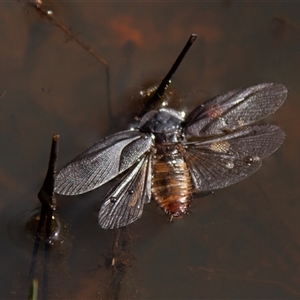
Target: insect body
171,181
169,157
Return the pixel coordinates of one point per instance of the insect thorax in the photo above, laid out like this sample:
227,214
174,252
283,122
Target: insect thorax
165,125
171,181
165,120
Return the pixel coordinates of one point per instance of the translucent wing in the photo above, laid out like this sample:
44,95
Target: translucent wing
102,162
124,203
220,162
235,109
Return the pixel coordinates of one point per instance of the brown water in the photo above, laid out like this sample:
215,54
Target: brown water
241,242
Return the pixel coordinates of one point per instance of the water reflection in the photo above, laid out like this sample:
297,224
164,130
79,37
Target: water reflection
241,242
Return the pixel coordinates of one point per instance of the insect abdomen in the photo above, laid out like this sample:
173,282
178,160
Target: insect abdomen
171,183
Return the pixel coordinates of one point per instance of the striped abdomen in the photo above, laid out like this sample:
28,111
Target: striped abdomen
171,182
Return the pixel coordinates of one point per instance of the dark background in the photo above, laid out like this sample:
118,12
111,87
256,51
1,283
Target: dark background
240,242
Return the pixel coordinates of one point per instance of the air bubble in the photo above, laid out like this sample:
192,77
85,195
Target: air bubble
144,136
113,199
32,225
130,192
22,229
248,160
229,165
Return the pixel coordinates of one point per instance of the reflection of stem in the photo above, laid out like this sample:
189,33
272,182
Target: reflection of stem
47,257
119,262
39,6
118,267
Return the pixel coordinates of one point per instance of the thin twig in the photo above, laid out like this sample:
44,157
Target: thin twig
44,11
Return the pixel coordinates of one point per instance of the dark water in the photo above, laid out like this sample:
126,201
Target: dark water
241,242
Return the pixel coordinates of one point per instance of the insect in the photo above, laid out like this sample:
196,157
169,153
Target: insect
168,157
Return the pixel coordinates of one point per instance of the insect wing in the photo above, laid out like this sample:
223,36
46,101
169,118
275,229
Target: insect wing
102,162
124,203
220,162
235,109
